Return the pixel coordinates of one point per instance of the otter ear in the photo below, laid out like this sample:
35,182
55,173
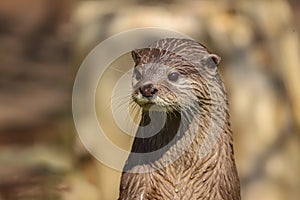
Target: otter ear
136,56
212,60
216,59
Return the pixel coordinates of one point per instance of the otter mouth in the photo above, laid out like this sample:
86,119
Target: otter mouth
154,103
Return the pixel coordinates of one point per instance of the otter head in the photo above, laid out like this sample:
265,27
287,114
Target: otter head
172,74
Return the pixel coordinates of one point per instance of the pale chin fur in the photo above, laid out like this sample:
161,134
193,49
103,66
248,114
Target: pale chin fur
153,104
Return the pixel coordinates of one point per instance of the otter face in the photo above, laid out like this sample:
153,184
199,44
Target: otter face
174,74
161,81
156,84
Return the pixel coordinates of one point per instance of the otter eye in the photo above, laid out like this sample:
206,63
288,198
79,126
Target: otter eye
173,76
138,75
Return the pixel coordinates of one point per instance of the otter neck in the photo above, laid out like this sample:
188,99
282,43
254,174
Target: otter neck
157,130
160,131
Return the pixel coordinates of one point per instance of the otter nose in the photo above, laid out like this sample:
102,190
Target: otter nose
148,90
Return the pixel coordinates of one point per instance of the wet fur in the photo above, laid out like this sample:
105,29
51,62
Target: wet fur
196,140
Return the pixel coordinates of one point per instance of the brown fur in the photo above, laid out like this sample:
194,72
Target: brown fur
194,153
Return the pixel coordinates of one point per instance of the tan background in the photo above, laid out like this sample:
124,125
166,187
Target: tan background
43,43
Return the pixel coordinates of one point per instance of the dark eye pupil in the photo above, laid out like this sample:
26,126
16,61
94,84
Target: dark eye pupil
173,76
138,75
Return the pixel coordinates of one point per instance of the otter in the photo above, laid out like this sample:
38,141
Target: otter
183,148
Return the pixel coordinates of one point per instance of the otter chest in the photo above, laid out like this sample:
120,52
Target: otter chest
176,181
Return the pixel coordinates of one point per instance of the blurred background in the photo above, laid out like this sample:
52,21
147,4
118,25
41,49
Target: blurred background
43,43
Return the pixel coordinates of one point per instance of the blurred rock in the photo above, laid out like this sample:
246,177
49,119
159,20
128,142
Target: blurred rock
35,82
35,78
78,188
32,172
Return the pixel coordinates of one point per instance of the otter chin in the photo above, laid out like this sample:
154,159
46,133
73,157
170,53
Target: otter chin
183,147
154,103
